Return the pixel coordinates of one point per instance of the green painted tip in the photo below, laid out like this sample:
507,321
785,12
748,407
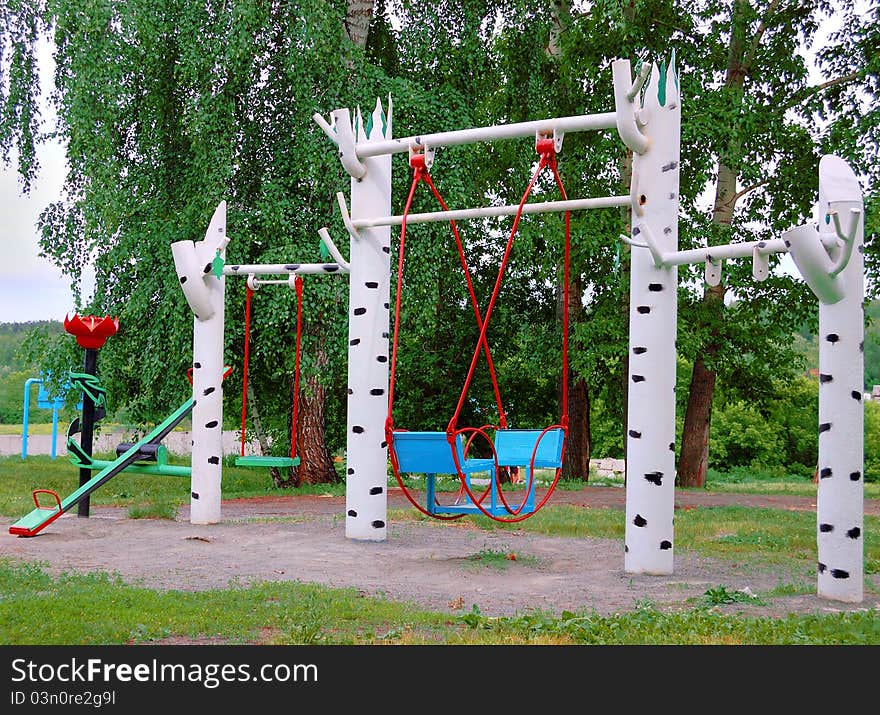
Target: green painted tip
217,265
661,89
325,254
369,127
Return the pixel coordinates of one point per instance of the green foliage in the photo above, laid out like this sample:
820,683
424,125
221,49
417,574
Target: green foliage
872,442
720,595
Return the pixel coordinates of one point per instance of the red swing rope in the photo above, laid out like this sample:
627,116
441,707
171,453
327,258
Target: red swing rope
546,150
420,173
244,379
298,286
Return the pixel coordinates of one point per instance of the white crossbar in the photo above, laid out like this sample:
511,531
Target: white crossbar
719,253
282,269
578,123
490,211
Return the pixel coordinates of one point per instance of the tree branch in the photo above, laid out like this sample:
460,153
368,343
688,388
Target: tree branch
739,194
806,92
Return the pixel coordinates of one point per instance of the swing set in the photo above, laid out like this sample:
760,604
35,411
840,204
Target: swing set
435,453
256,460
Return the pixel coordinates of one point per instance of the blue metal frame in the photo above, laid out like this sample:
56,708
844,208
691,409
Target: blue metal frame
429,453
46,402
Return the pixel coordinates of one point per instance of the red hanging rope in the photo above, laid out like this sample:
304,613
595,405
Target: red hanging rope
298,286
547,152
244,379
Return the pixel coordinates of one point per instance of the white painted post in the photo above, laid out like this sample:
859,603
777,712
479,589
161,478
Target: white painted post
650,466
840,499
205,294
366,500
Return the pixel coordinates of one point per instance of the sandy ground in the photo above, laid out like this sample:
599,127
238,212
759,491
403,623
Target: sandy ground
302,539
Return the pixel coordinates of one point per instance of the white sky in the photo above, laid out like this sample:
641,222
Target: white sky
31,288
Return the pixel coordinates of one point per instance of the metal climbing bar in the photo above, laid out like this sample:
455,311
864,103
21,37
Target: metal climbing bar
578,123
282,269
491,211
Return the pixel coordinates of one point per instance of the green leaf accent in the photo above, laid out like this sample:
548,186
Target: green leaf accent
325,253
217,265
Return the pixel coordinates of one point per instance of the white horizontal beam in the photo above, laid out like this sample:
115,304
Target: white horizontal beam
720,253
578,123
491,211
282,269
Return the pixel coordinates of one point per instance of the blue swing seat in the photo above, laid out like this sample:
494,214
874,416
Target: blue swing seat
429,453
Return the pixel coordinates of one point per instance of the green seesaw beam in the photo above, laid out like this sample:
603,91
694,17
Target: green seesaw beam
31,524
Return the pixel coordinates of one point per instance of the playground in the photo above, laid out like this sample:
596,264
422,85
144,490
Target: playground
438,567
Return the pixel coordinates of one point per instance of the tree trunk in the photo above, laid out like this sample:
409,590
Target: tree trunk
358,14
316,463
576,464
694,457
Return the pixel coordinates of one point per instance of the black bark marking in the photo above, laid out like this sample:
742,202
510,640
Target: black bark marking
839,573
669,167
625,549
182,280
208,391
352,512
235,268
292,267
636,231
196,365
655,287
668,229
350,470
354,341
386,249
378,524
826,528
856,395
634,434
330,267
821,567
654,478
384,444
665,545
382,358
638,378
377,391
207,268
672,446
825,472
371,284
854,533
350,391
194,495
376,490
640,520
213,460
211,424
357,429
640,350
385,335
360,311
855,476
862,346
762,244
825,427
824,377
787,243
832,337
386,305
643,309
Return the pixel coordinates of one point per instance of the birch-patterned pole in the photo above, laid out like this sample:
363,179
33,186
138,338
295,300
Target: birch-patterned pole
840,498
205,293
366,499
650,466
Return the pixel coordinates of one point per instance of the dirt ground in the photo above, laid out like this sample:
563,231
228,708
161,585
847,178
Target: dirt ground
301,538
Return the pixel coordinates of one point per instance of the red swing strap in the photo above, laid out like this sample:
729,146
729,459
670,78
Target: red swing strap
547,152
420,173
244,377
298,286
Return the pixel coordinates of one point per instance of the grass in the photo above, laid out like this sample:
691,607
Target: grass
19,478
733,533
40,608
498,560
99,609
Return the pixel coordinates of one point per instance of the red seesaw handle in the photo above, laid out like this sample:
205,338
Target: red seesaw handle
46,491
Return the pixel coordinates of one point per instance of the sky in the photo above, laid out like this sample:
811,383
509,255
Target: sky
31,287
